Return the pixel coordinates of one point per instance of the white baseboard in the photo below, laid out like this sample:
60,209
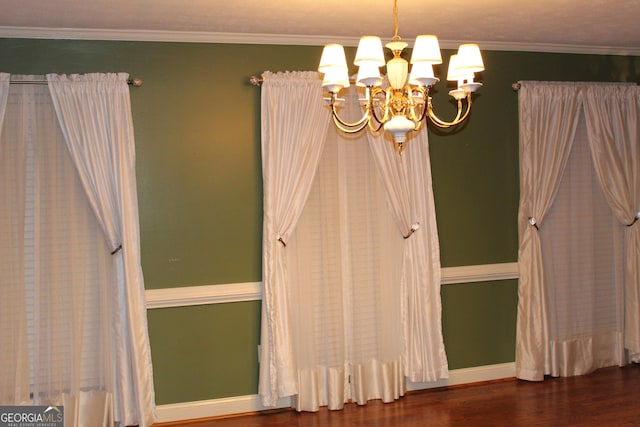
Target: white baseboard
470,375
215,408
251,403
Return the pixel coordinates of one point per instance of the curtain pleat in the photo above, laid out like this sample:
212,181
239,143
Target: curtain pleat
88,408
95,116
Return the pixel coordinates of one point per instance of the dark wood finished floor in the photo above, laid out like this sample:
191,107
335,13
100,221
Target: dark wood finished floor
606,398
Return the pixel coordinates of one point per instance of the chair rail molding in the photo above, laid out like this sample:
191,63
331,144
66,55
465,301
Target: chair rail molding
252,291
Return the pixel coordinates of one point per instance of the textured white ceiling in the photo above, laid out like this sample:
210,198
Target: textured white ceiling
607,25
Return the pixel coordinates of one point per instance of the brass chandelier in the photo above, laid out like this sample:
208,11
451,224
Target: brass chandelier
404,104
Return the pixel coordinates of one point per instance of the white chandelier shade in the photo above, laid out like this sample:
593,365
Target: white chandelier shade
405,103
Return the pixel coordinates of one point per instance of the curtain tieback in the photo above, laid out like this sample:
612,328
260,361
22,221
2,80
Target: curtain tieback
281,240
634,219
414,227
116,250
533,222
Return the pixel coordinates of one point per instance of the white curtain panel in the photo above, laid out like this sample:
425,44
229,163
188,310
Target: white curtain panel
582,252
344,263
14,366
548,118
363,303
613,115
294,127
409,189
553,335
95,116
57,271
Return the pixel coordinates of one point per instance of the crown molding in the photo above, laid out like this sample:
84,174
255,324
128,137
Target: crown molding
281,39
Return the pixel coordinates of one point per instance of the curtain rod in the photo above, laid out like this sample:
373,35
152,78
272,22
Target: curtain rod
257,81
136,82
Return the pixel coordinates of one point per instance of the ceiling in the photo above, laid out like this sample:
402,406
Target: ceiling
581,26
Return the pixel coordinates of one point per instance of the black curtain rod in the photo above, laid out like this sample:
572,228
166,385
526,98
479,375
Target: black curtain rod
136,82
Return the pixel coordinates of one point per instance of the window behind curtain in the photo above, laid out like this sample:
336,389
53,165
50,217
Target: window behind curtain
66,266
583,255
345,260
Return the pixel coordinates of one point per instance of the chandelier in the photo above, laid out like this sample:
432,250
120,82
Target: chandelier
404,103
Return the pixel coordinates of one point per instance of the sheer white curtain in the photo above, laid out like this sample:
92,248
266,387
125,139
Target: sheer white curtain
292,142
344,264
582,252
363,303
95,116
73,298
570,310
409,188
57,271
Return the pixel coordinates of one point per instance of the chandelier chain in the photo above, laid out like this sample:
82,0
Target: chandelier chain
395,37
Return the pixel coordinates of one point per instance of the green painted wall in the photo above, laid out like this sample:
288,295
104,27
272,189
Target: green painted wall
199,186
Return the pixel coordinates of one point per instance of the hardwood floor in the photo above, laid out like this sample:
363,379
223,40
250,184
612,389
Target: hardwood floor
607,397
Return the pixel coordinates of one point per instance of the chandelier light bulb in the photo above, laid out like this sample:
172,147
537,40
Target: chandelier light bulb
470,59
332,56
335,79
426,49
369,75
369,52
422,74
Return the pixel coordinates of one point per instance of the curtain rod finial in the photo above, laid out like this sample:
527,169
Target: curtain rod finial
136,82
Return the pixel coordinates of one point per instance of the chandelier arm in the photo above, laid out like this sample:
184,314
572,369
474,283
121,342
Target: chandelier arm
375,91
422,108
459,116
375,128
350,127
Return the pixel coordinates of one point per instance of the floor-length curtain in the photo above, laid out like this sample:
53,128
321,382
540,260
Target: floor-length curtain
294,127
613,121
578,290
14,374
582,253
409,188
548,115
57,271
95,116
344,282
